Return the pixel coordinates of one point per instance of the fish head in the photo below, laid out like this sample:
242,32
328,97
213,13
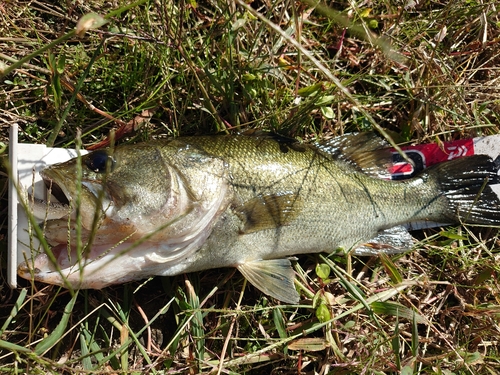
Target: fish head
139,208
82,194
116,183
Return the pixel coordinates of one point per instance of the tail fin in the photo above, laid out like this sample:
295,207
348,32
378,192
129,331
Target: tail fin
466,183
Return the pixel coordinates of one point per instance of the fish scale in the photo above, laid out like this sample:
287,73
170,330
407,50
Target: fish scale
249,202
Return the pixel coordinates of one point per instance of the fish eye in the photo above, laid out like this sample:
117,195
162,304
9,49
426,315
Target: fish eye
97,161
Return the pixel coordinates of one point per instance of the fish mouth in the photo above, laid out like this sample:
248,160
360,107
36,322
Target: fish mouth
56,191
58,211
64,268
100,267
56,206
62,193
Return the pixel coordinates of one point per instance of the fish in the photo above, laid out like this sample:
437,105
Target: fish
251,202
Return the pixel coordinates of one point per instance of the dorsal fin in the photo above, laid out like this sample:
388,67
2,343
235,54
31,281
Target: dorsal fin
365,151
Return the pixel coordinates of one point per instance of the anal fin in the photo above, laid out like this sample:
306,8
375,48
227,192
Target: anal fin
390,241
273,277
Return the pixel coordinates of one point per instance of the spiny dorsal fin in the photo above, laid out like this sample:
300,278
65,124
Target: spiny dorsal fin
273,277
268,211
285,143
365,151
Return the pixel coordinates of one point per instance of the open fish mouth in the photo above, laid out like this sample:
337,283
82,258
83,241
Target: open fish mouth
61,196
56,206
56,191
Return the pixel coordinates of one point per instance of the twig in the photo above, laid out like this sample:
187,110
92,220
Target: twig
231,327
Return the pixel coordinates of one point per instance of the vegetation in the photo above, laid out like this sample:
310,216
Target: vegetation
414,71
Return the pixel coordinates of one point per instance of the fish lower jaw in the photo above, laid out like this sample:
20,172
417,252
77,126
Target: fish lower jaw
99,269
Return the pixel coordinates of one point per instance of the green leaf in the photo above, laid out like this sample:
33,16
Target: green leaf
327,113
248,77
452,236
414,335
323,271
325,100
372,24
279,323
365,12
86,362
350,324
472,358
92,345
396,346
15,309
61,62
197,330
484,275
309,90
353,290
323,313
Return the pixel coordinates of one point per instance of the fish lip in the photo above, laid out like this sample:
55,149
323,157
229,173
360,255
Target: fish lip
56,187
56,190
88,272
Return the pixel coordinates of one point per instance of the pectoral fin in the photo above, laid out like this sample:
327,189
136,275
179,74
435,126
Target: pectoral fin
273,277
269,211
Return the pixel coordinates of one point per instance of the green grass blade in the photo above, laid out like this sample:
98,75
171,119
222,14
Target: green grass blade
390,268
13,347
196,325
86,361
81,80
59,331
279,324
92,344
414,335
396,347
396,309
15,309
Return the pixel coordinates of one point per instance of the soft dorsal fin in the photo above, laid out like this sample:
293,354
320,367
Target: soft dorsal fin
365,151
268,211
273,277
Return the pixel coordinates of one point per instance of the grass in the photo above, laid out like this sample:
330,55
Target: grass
417,71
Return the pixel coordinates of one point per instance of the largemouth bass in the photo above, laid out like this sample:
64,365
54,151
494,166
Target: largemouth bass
250,202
